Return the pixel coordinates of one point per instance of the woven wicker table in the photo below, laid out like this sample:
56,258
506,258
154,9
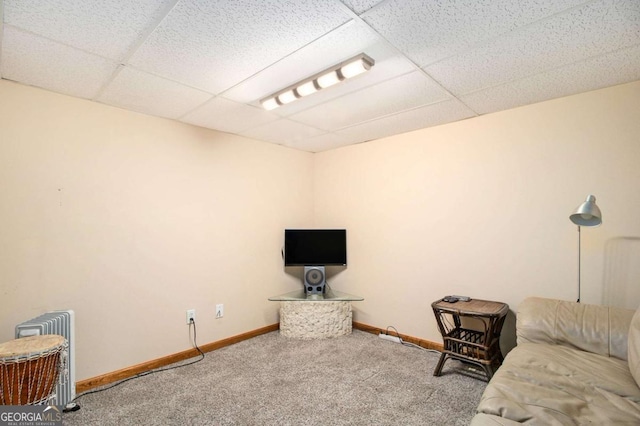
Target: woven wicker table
471,332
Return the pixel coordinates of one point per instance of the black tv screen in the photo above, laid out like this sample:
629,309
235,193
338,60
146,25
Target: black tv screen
308,247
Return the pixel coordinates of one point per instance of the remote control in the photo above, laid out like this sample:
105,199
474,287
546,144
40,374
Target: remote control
462,298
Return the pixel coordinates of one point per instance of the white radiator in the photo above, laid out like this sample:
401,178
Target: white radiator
63,324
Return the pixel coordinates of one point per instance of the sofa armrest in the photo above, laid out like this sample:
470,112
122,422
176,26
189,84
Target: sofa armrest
599,329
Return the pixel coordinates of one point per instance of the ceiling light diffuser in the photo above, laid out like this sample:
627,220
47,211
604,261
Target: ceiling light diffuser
270,103
327,78
306,88
286,97
355,68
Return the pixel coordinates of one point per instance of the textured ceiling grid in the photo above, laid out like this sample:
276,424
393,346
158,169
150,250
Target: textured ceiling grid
209,62
100,27
593,29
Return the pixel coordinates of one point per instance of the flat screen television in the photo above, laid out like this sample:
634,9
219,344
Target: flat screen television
309,247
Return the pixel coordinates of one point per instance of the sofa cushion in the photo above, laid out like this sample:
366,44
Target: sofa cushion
600,329
542,384
633,344
481,419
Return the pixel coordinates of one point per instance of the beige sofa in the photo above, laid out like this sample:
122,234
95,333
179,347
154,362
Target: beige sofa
574,364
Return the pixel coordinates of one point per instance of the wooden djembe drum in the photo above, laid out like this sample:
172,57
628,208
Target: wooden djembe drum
29,369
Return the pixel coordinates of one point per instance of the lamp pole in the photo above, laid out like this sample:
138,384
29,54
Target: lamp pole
587,214
579,266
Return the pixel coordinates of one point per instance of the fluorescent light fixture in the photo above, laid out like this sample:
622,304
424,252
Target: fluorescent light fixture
306,88
286,97
355,68
270,103
327,78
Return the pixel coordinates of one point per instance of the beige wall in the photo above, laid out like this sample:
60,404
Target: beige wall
130,220
481,208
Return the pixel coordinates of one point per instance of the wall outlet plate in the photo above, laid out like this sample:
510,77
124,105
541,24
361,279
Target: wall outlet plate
219,310
191,315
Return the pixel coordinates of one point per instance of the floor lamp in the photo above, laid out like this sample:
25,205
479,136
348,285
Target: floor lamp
587,214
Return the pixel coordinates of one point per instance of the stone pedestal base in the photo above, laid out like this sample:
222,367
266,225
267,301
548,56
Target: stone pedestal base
315,320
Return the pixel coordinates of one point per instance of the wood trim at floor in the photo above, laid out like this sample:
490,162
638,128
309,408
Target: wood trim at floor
125,373
427,344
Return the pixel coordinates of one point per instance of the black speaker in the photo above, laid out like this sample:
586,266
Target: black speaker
314,279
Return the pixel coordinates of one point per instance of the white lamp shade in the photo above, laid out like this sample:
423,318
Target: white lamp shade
587,214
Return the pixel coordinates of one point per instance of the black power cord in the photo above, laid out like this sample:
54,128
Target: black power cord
73,406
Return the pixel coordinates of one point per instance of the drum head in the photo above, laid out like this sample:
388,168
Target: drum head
30,345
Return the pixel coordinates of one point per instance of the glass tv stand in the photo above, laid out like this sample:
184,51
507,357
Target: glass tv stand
315,316
329,296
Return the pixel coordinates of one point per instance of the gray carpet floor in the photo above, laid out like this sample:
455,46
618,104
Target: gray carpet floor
357,379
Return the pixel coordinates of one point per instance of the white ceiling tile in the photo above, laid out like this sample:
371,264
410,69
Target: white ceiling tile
360,6
36,61
608,70
283,132
216,44
228,116
427,116
428,31
106,28
399,94
139,91
576,35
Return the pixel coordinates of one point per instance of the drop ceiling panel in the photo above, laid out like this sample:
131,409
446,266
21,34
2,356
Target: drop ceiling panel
427,116
229,116
209,62
37,61
214,45
136,90
398,94
106,28
428,31
360,6
579,34
615,68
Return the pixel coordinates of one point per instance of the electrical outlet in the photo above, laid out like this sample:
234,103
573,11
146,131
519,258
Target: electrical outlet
219,310
191,316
